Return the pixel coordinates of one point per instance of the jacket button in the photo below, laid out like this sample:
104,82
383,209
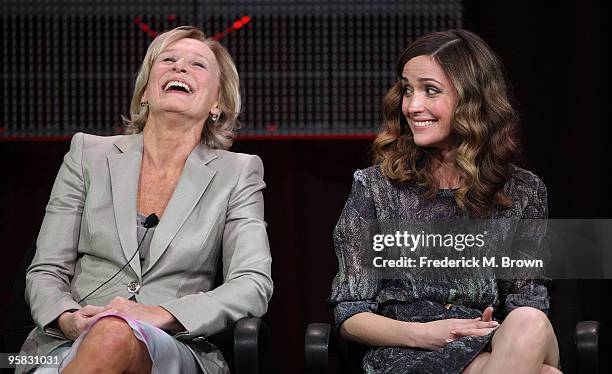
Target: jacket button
133,286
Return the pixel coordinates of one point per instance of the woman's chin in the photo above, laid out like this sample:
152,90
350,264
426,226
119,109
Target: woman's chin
424,142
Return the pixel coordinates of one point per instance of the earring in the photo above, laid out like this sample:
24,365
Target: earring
144,104
214,117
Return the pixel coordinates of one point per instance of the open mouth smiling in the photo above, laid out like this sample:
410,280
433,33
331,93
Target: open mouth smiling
423,124
177,86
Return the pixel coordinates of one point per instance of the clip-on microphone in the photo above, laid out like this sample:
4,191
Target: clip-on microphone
151,221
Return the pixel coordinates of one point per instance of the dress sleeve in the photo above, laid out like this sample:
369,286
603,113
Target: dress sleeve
528,292
354,290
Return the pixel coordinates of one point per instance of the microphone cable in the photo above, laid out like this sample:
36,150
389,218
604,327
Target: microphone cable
151,221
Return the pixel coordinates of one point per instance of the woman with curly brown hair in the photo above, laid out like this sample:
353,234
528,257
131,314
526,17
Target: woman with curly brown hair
445,151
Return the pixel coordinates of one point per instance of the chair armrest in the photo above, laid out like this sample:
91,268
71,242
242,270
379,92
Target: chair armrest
316,346
587,346
251,337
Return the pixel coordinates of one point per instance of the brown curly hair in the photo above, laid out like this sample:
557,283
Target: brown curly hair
483,123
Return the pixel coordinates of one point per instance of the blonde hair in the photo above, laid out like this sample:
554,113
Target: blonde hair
215,134
484,123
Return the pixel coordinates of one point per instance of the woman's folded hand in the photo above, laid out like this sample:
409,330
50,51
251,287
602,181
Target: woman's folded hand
152,314
72,324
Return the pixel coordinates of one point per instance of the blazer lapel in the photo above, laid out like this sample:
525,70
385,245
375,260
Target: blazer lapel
125,174
193,182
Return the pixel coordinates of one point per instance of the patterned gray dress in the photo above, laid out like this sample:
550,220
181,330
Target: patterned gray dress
372,197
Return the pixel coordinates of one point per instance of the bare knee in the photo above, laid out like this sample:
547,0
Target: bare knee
532,324
110,336
527,315
112,341
547,369
112,327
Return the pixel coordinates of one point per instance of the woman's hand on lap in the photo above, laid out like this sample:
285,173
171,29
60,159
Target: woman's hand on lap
152,314
438,334
72,324
487,316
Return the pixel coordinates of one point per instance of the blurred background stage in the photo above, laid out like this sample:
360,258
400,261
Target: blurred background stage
313,74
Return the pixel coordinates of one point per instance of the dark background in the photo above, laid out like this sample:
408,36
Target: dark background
553,55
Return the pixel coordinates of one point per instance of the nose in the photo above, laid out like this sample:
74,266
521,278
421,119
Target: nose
415,103
179,66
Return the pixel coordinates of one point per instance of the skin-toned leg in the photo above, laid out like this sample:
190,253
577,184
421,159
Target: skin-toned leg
477,364
550,370
110,347
480,361
524,343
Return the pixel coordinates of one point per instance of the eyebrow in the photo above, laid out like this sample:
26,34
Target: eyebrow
420,80
196,53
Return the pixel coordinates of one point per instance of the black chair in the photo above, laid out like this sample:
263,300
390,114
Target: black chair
578,341
244,345
321,344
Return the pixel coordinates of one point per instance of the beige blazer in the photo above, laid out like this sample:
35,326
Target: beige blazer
89,233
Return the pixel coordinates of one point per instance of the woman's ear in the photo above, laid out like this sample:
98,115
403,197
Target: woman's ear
215,109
